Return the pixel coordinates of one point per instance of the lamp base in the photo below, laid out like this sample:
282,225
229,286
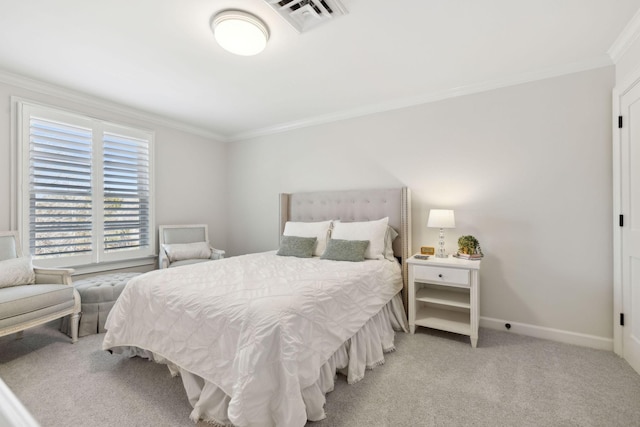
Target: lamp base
441,253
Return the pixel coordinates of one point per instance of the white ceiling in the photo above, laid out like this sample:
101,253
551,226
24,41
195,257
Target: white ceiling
160,55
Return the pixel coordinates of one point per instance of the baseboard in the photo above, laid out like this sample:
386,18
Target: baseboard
559,335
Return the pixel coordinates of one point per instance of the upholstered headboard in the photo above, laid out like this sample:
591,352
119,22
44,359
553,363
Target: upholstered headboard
355,205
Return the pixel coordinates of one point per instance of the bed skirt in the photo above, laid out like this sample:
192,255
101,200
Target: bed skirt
365,350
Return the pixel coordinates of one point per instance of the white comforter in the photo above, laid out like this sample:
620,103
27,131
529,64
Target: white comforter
258,326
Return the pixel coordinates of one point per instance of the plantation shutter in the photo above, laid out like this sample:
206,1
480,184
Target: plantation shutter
85,190
60,174
126,192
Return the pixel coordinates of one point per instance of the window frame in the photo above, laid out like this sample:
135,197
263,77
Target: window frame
98,259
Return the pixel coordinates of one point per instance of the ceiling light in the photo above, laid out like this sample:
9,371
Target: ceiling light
240,32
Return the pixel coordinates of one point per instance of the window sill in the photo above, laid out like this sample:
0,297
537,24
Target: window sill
115,265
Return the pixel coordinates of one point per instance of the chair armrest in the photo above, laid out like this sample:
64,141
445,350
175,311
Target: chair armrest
163,259
217,253
60,276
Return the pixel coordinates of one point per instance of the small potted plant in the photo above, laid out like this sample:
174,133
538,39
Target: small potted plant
469,248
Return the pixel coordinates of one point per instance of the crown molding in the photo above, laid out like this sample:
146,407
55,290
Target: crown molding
95,102
516,79
625,40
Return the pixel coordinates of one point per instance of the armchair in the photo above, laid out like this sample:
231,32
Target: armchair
31,302
185,244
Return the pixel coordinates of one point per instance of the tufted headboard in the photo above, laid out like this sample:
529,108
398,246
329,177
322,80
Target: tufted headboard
355,205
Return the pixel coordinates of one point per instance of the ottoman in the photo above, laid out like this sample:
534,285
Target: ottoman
98,294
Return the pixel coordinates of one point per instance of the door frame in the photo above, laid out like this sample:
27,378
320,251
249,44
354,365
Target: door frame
618,92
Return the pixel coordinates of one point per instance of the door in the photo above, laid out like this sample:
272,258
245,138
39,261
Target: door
630,236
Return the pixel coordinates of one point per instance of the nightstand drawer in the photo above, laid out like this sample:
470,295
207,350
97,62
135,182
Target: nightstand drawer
441,274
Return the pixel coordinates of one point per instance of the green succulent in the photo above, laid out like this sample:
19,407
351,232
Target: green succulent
468,245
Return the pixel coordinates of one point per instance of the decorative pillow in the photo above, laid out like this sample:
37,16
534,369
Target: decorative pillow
373,231
301,247
182,251
345,250
16,271
389,237
319,230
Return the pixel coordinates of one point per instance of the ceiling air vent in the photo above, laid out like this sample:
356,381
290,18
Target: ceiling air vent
307,14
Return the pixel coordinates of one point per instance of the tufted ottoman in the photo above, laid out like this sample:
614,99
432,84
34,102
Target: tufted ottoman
98,294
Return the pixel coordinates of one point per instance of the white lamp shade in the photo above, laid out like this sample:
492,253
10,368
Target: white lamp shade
441,218
240,32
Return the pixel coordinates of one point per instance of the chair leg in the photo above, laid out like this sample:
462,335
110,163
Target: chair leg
75,321
19,335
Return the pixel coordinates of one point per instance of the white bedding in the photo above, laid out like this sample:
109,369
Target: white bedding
258,326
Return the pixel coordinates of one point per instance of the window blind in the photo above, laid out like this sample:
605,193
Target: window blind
60,203
126,192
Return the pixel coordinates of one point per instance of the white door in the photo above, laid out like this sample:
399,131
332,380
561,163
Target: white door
630,200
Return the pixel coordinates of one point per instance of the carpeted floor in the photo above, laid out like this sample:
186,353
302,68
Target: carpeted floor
433,379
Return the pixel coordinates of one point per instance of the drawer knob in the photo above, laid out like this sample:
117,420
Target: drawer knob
440,275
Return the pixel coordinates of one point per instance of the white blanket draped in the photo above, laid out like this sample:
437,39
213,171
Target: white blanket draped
258,326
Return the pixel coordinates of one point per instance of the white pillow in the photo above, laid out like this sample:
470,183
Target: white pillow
389,237
182,251
373,231
319,230
16,271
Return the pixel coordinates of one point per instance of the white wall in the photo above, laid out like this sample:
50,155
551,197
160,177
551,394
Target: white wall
190,169
527,169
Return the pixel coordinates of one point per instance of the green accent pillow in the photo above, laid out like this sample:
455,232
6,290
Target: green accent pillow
345,250
301,247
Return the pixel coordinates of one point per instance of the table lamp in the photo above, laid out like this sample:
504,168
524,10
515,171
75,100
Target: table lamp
441,218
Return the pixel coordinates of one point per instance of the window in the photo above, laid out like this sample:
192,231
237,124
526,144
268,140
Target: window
85,193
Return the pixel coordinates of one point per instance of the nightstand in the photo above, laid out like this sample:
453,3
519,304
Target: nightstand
444,293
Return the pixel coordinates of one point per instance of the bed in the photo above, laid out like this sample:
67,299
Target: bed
257,339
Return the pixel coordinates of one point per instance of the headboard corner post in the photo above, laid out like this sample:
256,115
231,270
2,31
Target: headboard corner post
406,244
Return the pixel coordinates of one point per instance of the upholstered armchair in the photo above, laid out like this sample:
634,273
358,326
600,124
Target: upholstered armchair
30,296
185,244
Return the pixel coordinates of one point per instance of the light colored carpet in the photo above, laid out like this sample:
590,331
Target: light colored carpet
433,379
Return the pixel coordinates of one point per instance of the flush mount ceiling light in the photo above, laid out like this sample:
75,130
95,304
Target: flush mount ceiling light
240,32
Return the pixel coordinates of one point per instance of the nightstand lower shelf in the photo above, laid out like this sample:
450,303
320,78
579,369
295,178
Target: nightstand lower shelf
446,320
